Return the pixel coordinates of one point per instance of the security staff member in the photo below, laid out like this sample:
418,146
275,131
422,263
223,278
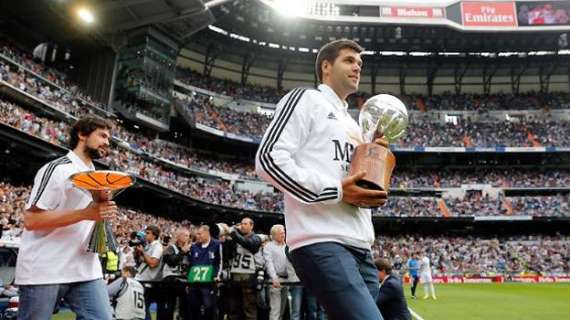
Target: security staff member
205,267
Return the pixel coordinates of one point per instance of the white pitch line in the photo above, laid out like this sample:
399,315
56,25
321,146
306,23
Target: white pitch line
415,315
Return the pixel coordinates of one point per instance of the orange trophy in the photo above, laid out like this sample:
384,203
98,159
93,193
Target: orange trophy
103,186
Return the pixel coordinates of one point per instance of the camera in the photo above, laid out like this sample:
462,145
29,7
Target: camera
136,239
135,242
259,277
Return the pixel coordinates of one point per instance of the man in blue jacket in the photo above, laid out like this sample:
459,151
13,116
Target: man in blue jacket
391,301
205,267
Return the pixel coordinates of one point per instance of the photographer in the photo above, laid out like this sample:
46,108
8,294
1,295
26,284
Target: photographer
149,267
242,295
173,271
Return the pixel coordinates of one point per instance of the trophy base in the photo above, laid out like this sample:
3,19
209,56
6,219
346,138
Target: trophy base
377,161
368,185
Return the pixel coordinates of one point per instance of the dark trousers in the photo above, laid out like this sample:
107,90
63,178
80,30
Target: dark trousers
173,289
243,298
415,281
344,279
202,302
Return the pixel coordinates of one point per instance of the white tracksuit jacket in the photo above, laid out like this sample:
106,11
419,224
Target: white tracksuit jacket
305,153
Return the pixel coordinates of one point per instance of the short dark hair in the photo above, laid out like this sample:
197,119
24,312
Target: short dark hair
383,265
248,218
154,230
330,51
131,270
85,126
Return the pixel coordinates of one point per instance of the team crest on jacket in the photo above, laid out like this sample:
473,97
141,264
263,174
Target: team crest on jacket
212,255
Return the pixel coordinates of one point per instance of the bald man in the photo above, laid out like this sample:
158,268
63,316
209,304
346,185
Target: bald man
205,261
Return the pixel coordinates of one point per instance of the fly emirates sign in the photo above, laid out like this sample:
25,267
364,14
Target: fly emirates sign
486,14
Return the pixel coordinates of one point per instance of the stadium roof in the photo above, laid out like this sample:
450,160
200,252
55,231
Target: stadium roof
255,22
57,20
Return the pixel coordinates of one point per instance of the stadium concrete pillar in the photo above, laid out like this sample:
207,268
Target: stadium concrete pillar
458,73
280,72
246,66
489,70
545,72
212,54
402,74
373,74
431,73
517,70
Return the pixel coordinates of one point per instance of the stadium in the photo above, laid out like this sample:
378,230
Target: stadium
195,96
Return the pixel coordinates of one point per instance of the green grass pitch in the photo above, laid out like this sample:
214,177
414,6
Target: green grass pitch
507,301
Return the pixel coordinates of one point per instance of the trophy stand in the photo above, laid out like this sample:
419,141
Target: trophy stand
378,162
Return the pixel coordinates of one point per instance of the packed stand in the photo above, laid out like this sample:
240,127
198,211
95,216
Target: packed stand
477,256
499,101
418,133
229,87
223,192
214,191
503,178
58,78
477,204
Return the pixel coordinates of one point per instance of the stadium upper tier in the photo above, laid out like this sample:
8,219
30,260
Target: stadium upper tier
467,102
420,132
219,191
485,132
181,169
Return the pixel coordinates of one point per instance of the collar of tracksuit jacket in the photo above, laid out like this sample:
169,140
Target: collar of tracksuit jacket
333,98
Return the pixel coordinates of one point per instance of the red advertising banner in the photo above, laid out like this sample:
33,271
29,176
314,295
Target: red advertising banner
496,279
412,12
489,14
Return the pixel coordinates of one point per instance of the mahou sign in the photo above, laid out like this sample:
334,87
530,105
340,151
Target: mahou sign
412,12
488,14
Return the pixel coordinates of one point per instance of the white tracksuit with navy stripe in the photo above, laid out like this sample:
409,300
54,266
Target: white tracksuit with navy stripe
306,153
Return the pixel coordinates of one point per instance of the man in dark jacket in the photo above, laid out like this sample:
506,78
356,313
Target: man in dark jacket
205,264
391,301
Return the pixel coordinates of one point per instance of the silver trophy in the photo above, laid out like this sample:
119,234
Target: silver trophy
381,116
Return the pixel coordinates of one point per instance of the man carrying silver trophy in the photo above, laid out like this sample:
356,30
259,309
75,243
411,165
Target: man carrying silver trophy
307,153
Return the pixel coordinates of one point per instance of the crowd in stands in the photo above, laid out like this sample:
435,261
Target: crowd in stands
141,148
500,101
222,192
60,79
477,256
229,88
475,204
446,101
505,178
418,133
449,255
216,191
